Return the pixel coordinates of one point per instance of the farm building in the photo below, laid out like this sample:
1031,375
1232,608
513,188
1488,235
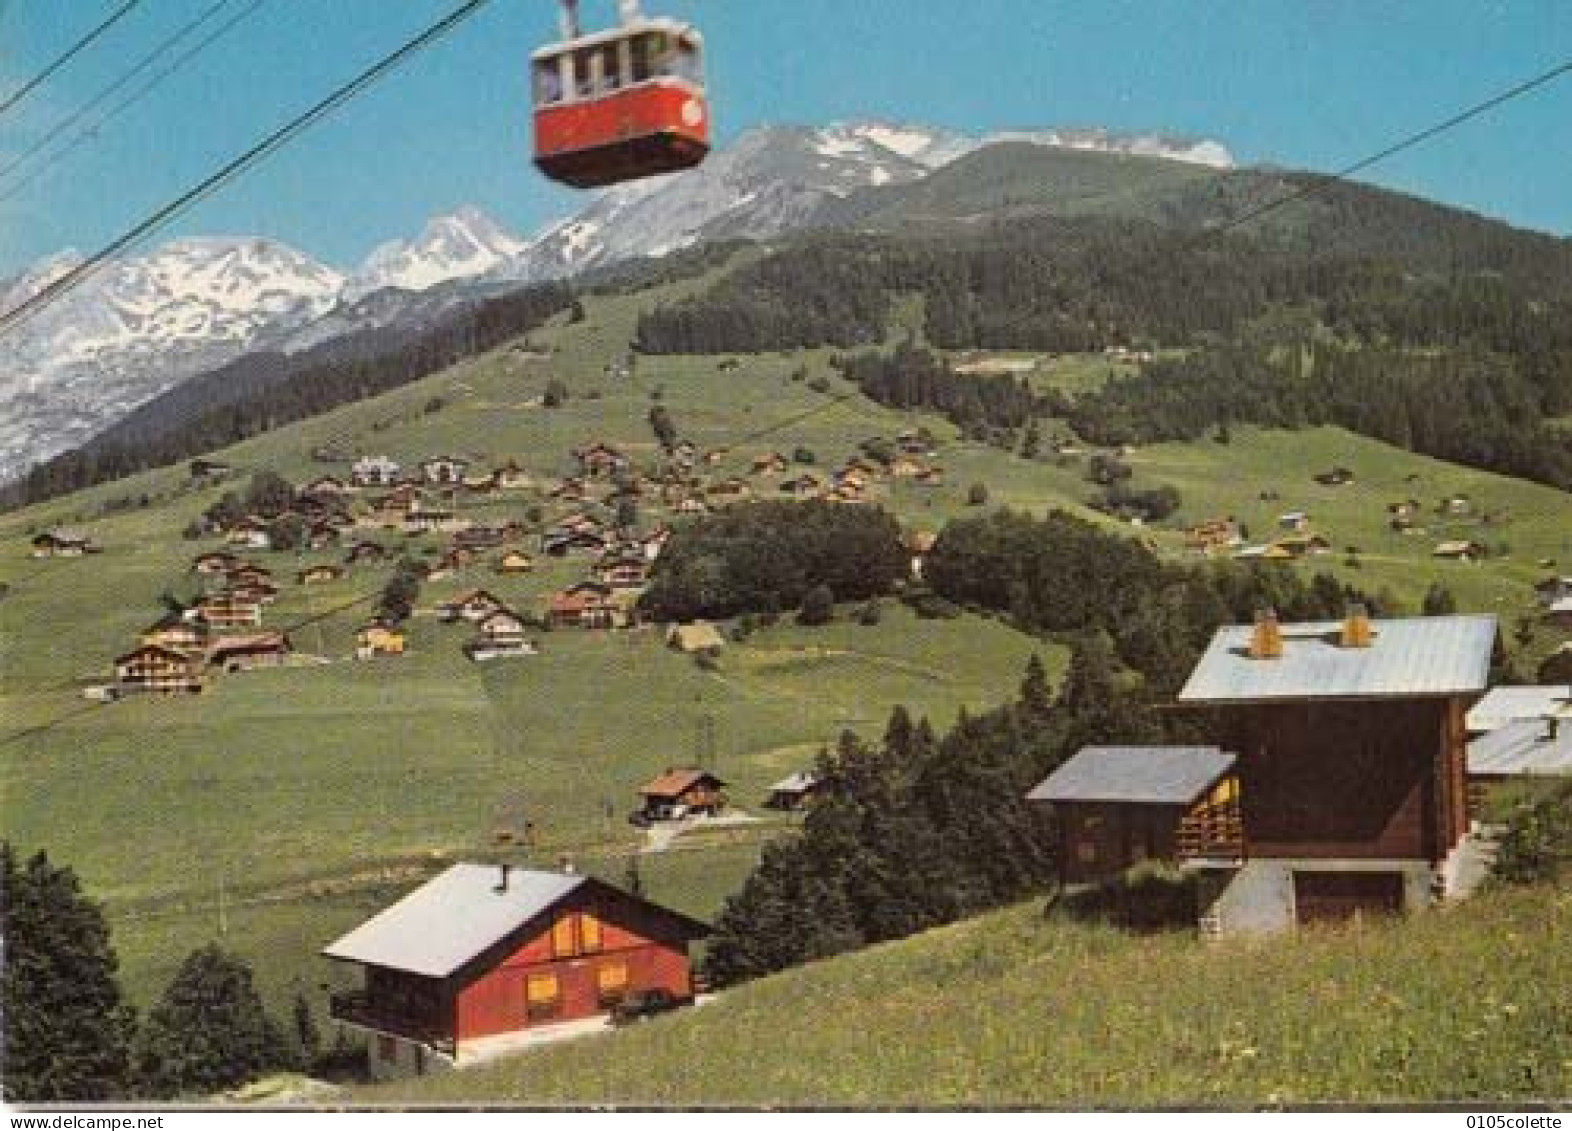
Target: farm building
1524,748
217,563
701,636
599,460
374,471
229,610
1210,537
320,575
1559,614
1344,788
379,639
252,533
588,604
682,793
515,562
1503,705
249,652
366,551
622,572
444,470
482,955
795,792
62,543
178,633
474,606
159,671
1119,805
1459,551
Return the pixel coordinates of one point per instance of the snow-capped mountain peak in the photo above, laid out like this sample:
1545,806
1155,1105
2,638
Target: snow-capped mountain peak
460,246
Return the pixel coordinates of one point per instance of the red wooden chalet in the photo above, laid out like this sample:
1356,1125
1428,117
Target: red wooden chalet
483,954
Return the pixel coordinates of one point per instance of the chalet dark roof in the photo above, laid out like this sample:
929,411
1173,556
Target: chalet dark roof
438,928
1152,775
1410,658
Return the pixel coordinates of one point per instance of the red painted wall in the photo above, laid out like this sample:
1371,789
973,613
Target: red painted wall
637,112
490,997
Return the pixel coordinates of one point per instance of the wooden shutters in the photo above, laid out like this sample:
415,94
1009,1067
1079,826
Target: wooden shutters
589,933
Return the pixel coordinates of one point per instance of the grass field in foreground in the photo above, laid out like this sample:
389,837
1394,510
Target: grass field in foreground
1015,1008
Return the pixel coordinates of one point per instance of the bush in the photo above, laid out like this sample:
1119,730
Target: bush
1538,842
977,495
870,614
818,607
556,394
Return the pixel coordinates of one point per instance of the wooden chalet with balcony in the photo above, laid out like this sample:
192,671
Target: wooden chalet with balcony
187,635
1337,786
589,605
155,670
230,610
482,956
680,793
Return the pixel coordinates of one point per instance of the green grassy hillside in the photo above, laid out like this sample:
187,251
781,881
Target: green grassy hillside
1015,1008
308,794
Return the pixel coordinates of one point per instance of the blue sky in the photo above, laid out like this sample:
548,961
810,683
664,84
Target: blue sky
1305,83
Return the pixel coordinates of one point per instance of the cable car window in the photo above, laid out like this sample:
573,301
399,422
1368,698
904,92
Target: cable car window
642,54
687,65
610,70
583,82
548,81
661,53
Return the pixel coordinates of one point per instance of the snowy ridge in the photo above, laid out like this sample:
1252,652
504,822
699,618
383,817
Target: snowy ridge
145,324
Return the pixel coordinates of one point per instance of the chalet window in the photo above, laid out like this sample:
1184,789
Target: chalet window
542,994
564,939
589,933
387,1049
611,982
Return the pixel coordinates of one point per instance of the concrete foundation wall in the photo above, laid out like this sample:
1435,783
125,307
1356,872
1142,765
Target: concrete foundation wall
391,1057
1259,897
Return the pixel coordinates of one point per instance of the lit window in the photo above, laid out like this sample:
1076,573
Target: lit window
541,993
589,933
564,943
611,982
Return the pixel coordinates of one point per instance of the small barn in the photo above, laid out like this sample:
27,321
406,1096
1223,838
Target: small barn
1459,551
1120,805
515,562
63,543
796,792
701,636
250,651
378,638
682,793
479,957
1525,748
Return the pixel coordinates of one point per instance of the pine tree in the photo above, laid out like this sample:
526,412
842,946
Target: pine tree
1439,601
67,1029
209,1032
307,1035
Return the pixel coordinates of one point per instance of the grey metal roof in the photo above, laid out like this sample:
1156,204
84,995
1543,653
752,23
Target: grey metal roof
1420,656
1155,775
1523,747
1502,705
799,782
439,927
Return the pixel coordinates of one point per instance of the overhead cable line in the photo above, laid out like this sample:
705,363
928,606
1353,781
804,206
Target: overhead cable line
259,152
1326,180
70,53
92,129
152,57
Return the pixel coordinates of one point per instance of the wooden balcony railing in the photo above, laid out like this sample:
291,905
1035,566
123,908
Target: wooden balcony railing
356,1008
1212,832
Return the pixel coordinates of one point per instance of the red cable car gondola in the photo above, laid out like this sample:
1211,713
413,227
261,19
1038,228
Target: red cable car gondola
622,104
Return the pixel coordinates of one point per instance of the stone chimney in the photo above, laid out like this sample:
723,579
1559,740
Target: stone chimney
1266,641
1357,632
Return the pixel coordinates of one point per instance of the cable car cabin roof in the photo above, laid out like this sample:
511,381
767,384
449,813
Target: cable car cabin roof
616,34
